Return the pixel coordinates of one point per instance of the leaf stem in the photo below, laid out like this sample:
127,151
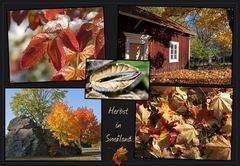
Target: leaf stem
203,91
78,57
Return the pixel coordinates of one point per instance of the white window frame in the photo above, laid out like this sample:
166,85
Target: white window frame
137,39
177,44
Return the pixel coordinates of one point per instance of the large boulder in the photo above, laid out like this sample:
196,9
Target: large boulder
21,122
25,139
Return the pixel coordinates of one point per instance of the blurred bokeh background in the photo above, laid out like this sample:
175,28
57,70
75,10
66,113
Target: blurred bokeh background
20,35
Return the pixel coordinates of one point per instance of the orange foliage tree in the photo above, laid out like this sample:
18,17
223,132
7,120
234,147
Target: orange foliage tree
62,123
88,127
69,127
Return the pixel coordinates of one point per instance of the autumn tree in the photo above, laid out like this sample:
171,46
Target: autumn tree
62,123
159,11
36,103
219,21
213,26
88,126
69,127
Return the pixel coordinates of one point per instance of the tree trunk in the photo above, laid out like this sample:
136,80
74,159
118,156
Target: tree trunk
210,60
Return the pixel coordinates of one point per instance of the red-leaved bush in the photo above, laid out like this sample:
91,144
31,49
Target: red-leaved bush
67,36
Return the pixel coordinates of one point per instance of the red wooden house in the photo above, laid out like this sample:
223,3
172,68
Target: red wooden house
143,35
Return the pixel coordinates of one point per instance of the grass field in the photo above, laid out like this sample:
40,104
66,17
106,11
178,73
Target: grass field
88,154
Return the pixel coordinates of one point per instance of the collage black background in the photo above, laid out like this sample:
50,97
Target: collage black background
111,28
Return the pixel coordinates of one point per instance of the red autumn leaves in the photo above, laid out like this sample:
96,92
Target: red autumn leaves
185,123
35,50
19,15
56,53
67,49
50,14
42,43
69,40
34,17
120,155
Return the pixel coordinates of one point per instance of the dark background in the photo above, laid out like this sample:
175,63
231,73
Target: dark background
108,122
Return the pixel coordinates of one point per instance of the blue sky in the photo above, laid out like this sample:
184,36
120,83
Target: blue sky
74,99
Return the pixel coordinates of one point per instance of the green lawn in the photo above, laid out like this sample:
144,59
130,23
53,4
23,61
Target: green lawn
89,154
85,150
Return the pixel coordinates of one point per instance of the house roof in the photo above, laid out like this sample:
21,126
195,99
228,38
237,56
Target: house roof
138,13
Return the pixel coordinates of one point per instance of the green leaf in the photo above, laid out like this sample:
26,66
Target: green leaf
164,134
35,103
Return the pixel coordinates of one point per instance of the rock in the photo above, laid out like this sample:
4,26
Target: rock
26,139
71,150
21,122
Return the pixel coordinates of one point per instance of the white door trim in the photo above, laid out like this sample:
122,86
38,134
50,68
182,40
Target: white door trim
138,39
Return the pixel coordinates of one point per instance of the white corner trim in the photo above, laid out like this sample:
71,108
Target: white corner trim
138,39
177,58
